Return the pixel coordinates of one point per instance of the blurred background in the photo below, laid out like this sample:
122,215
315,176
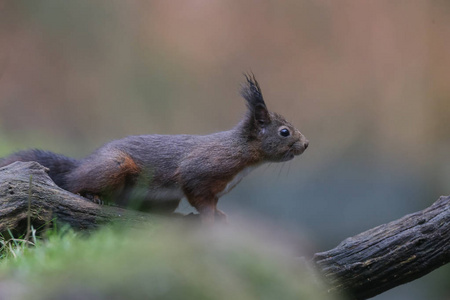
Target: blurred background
366,81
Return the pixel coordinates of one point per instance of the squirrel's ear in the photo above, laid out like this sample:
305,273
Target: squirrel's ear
261,115
255,102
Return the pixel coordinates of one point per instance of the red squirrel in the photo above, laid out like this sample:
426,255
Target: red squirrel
159,170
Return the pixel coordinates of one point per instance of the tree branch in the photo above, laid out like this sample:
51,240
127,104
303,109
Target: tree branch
389,255
361,266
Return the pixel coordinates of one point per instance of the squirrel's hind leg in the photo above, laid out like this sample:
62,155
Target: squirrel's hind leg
103,175
94,198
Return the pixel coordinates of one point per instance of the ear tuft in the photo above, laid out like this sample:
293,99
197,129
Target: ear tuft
252,92
255,102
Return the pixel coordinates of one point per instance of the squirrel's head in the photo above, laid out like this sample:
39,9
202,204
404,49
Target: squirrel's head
278,140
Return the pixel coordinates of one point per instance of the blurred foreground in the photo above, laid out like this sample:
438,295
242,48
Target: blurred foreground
160,262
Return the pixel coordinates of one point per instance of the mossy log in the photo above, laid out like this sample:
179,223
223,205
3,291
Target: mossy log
360,267
45,202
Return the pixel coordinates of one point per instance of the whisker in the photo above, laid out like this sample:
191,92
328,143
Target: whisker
267,166
281,169
286,155
289,168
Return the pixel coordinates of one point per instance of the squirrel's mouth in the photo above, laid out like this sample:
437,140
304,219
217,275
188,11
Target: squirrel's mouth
298,148
295,149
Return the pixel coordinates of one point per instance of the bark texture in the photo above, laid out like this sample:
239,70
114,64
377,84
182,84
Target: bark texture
389,255
48,202
360,267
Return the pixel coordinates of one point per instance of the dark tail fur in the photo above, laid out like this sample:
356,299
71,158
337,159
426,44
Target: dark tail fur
59,165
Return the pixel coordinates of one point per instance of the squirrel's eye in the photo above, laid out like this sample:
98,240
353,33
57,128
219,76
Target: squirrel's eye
285,132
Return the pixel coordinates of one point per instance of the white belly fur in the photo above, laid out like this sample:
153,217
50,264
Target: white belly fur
236,180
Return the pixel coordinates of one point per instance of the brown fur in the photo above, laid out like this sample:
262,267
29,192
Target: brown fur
116,170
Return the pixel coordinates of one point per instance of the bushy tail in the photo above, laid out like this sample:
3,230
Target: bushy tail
59,165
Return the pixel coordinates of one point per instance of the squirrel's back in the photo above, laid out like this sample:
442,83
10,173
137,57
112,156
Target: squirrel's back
58,165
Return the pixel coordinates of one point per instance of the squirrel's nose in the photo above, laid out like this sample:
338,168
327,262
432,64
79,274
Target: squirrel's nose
306,144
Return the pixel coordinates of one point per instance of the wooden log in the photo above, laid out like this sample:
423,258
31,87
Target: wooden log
389,255
48,202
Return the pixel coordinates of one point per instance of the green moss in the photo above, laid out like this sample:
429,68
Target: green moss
157,264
